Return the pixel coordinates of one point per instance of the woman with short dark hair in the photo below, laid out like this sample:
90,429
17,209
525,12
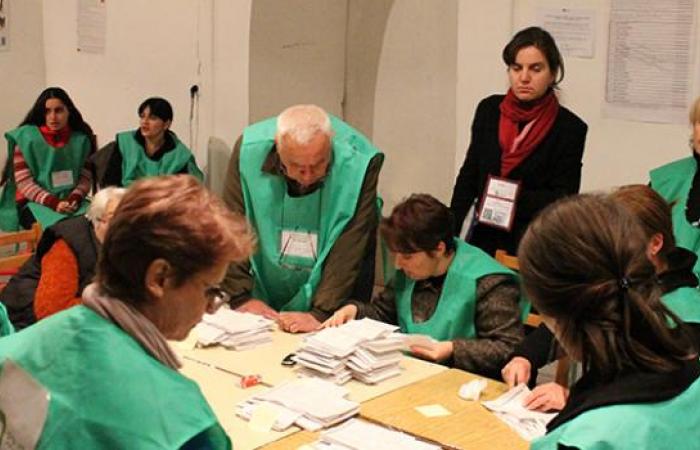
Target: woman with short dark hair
584,266
166,251
524,145
151,150
48,172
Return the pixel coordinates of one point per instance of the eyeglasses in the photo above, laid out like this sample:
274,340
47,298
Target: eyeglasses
217,297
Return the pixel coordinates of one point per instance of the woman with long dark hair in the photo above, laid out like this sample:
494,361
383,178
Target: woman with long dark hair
48,174
584,266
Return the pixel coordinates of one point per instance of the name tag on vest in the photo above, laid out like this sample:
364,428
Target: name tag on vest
62,178
24,404
298,243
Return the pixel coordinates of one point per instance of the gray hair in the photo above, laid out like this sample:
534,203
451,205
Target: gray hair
99,202
302,122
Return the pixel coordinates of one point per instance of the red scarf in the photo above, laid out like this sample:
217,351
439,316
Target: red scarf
56,139
539,116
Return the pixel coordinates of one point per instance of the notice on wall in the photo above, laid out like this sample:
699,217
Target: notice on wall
573,29
4,25
92,26
650,60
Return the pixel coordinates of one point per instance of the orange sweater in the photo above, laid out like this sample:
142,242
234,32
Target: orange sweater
58,282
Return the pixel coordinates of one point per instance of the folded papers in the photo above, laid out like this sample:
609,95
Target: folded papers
309,403
509,408
234,330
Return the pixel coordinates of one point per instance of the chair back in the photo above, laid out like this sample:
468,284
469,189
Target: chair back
17,248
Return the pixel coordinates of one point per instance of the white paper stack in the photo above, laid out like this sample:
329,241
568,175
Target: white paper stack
509,408
235,330
365,349
360,435
310,403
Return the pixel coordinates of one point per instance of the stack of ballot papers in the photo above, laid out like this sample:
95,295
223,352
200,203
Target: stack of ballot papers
509,408
233,329
360,435
365,349
310,403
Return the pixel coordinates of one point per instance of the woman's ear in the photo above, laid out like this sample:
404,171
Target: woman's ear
156,278
167,124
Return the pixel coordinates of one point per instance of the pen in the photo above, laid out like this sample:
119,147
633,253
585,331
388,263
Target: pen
213,366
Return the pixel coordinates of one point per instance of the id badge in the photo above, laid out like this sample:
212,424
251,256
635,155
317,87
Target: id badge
498,203
299,244
62,178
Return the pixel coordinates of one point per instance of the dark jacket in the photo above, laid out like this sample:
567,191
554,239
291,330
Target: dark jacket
18,295
552,171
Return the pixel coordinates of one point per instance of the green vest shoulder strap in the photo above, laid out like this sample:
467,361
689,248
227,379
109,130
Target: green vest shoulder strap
270,209
669,180
685,303
136,165
668,424
134,400
5,324
454,315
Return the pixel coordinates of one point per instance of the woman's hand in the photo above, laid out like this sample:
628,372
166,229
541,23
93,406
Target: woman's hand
439,352
517,371
344,314
547,397
66,207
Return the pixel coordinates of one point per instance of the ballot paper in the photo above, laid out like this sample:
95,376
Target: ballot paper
509,408
234,330
366,350
358,434
310,403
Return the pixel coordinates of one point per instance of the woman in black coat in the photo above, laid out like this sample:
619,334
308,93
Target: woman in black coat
525,138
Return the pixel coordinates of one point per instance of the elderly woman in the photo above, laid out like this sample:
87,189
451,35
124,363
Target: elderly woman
152,149
525,147
64,263
158,273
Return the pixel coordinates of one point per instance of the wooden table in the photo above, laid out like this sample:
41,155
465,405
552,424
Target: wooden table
469,427
222,391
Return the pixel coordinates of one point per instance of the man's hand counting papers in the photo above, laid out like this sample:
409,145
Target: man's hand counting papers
509,408
309,403
365,349
233,329
360,435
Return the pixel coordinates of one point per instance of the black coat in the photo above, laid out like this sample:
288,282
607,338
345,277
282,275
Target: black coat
552,171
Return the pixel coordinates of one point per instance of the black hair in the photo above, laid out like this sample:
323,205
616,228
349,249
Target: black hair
544,42
158,107
37,114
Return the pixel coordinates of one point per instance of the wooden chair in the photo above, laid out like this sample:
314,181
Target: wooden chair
23,245
535,320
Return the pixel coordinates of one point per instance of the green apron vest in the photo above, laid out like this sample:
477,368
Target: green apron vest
685,303
5,324
136,165
288,283
43,160
673,182
454,314
671,424
106,391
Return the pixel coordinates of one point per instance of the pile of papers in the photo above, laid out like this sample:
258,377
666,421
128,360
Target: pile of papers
509,408
365,349
310,403
233,329
360,435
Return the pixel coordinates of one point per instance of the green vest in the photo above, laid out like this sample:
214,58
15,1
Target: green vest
5,324
673,181
106,391
685,303
671,424
289,283
136,164
43,161
454,314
